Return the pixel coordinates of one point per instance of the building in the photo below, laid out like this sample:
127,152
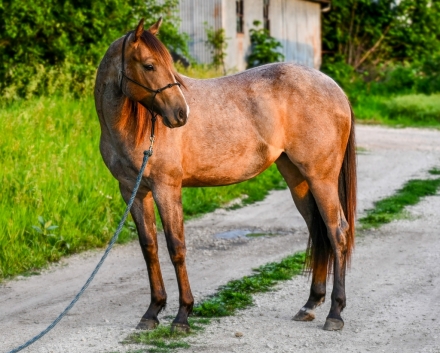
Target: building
295,23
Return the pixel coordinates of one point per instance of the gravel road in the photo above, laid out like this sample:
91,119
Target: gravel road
393,288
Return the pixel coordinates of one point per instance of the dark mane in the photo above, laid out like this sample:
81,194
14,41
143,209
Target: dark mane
135,119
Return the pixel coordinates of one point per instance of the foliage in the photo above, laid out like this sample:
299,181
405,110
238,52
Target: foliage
53,45
365,32
217,42
236,294
264,48
391,208
383,47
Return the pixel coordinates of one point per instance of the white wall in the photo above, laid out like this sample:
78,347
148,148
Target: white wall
193,14
295,23
239,44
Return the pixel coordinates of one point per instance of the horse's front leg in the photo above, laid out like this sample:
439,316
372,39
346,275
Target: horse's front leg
142,212
169,203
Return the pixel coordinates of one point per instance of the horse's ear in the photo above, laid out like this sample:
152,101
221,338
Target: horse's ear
154,29
139,30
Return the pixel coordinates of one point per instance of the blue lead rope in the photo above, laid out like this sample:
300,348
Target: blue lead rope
147,155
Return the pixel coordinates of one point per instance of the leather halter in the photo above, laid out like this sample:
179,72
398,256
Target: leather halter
154,91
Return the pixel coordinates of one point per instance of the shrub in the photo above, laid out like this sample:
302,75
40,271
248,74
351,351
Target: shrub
52,45
264,48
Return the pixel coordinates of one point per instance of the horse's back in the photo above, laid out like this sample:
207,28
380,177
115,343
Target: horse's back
249,119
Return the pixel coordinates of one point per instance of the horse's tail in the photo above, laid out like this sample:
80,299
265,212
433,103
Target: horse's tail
319,250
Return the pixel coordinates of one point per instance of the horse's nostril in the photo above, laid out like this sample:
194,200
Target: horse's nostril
181,115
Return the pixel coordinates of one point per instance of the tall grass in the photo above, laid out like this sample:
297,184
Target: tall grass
417,110
52,174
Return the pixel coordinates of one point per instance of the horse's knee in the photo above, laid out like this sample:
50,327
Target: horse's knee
149,248
177,252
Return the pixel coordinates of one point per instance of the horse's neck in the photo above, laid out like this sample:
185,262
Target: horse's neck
114,104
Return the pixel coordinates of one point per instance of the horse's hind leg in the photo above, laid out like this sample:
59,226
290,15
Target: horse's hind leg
306,205
326,194
144,218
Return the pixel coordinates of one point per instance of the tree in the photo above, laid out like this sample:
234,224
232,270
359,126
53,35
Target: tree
368,32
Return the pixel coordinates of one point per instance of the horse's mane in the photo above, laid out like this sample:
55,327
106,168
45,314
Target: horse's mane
135,118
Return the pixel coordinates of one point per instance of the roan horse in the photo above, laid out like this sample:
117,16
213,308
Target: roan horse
239,125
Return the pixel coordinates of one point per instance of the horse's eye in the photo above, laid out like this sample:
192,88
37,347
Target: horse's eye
149,67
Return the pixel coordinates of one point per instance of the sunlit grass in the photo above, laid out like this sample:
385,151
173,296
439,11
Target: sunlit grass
391,208
416,110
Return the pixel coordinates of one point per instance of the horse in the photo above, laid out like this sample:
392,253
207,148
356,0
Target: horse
282,113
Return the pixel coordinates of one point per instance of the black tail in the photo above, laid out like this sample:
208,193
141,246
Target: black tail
319,250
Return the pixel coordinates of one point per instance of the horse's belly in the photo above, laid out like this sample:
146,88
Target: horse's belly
229,168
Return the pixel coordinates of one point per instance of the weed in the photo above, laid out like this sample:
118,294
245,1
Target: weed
162,340
391,208
361,150
434,171
236,294
257,235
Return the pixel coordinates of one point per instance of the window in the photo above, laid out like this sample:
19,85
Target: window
239,15
266,21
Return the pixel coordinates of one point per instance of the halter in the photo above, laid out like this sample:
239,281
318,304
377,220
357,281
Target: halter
154,91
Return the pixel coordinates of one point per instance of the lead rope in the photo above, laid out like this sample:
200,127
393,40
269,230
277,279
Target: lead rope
147,155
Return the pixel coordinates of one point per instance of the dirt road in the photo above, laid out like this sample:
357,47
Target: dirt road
393,289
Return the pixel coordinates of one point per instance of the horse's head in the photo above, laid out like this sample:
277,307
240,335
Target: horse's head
149,78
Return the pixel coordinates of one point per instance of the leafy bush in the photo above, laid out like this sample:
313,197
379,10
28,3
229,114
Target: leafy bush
264,48
52,45
217,44
383,47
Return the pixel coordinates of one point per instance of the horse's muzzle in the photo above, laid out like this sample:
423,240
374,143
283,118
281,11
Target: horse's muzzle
177,119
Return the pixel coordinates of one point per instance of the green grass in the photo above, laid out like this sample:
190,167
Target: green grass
416,110
162,340
237,294
258,235
57,196
391,208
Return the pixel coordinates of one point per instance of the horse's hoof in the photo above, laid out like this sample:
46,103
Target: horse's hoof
333,324
147,324
180,328
305,314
